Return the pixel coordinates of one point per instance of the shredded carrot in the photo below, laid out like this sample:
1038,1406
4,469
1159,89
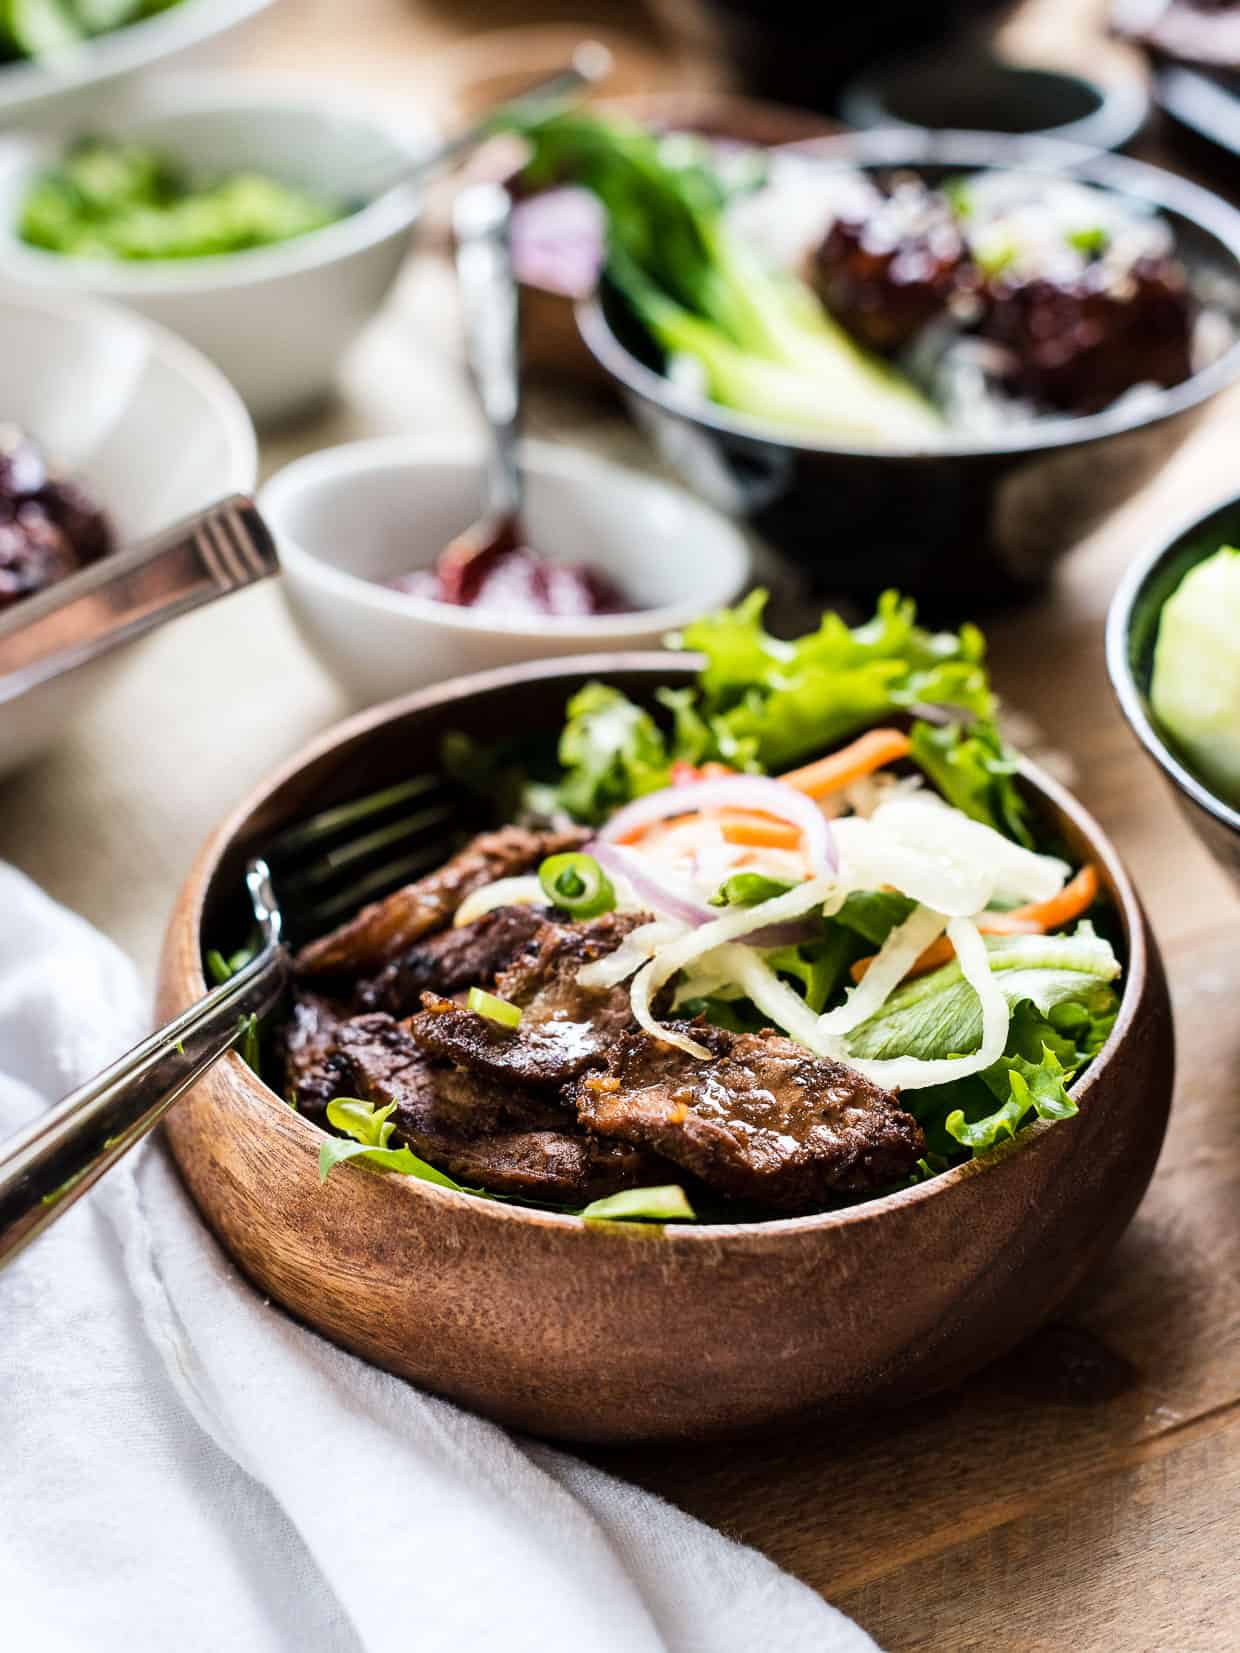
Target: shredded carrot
759,832
1038,918
862,757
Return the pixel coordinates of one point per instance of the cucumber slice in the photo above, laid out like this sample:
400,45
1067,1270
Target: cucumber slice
1195,687
40,27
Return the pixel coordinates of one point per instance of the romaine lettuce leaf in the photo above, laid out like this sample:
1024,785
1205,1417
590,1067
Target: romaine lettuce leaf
938,1015
973,770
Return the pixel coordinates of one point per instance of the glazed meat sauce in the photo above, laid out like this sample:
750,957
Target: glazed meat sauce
576,1102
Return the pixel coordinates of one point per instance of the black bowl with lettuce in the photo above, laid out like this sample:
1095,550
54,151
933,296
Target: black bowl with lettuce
1173,653
872,451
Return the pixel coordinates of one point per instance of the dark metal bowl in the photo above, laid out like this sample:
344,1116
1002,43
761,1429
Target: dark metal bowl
967,523
1132,631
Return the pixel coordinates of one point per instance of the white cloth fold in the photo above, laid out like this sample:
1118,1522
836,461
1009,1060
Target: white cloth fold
183,1466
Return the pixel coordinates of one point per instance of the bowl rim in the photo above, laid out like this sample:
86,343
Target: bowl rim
354,461
216,389
912,147
177,98
574,669
1133,703
28,84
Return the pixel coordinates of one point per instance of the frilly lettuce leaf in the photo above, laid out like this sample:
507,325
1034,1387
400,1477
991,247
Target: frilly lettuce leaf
762,704
1031,1088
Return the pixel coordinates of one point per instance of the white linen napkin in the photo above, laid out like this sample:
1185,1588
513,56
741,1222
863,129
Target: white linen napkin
184,1467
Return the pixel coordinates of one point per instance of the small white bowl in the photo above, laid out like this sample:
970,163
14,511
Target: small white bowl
350,517
275,319
142,421
78,80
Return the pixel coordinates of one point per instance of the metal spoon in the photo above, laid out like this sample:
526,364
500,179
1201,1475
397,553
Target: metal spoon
482,221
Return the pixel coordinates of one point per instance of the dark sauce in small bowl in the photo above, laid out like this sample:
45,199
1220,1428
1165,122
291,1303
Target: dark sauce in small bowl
514,580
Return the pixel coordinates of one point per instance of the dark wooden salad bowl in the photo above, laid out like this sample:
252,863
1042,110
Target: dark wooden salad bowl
617,1332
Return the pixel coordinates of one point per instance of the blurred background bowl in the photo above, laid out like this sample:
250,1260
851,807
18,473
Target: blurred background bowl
1132,632
968,90
970,523
351,517
278,319
148,427
79,82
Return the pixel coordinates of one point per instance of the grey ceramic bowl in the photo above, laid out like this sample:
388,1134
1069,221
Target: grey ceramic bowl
967,524
1132,631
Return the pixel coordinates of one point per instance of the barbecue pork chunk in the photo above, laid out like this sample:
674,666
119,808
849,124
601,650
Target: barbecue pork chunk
380,932
565,1027
761,1120
451,960
505,1138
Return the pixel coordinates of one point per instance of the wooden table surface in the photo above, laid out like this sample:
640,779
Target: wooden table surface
1085,1493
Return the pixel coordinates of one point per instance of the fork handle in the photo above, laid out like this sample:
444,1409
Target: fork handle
48,1166
132,591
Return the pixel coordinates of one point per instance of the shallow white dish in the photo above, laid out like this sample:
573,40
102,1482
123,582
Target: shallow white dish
77,81
348,517
150,428
275,319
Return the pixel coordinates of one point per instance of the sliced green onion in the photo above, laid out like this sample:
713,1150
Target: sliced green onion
747,889
659,1205
577,885
493,1008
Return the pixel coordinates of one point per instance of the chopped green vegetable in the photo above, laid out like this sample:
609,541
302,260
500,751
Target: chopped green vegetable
576,884
1195,687
1040,1089
873,914
370,1128
660,1205
818,967
126,201
747,889
1092,243
493,1008
218,967
766,345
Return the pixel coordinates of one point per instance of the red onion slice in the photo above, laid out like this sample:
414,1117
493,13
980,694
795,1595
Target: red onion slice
733,792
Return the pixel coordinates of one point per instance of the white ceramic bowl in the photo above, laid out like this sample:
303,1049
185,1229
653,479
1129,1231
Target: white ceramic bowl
78,81
350,517
275,319
149,427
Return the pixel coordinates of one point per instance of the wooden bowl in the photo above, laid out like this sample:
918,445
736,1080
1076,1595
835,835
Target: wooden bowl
627,1332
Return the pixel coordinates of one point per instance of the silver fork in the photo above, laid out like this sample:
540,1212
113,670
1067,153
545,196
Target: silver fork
326,866
131,591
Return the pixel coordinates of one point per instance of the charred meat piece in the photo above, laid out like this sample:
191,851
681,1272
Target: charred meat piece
885,278
481,1134
451,960
313,1073
565,1027
761,1120
1078,345
386,928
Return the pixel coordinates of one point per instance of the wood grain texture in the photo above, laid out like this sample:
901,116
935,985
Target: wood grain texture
588,1333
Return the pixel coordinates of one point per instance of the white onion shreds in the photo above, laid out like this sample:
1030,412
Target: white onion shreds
735,923
773,996
927,823
908,1072
641,996
652,889
757,792
636,948
895,958
504,892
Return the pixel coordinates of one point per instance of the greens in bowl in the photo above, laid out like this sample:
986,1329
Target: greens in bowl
796,941
44,28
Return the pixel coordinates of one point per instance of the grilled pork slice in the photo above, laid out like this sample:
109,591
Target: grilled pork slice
312,1073
502,1138
761,1120
565,1027
451,960
386,928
